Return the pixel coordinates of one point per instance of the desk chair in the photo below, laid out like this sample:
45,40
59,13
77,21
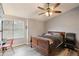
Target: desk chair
6,46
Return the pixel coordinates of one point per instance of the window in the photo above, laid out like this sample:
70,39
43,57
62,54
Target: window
19,29
7,29
13,29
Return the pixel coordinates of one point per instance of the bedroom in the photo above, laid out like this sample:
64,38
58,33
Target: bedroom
65,22
36,25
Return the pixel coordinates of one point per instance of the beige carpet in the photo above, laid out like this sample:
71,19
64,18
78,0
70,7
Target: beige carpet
67,53
25,50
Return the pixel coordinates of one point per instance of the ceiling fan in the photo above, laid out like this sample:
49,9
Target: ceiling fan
49,11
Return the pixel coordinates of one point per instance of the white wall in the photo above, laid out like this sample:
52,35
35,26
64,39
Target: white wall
35,27
67,22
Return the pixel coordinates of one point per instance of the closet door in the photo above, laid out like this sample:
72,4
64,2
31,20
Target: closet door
0,30
1,22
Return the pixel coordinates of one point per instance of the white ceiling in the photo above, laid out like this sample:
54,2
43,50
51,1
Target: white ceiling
30,10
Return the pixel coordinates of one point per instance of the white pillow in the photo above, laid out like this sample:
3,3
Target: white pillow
47,34
57,34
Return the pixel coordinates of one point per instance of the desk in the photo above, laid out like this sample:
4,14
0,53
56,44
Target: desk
2,42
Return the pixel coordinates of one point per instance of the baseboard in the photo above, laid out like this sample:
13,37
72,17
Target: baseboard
18,45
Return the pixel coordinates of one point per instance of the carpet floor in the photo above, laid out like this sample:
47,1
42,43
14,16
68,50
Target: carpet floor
25,50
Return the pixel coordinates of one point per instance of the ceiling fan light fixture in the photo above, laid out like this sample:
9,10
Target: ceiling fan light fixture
50,10
48,13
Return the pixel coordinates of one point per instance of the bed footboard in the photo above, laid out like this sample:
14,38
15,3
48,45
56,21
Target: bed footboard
41,45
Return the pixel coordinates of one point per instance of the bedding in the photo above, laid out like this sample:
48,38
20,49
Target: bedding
54,38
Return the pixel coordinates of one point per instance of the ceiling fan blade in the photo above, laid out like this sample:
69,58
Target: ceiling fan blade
42,13
41,8
56,5
57,11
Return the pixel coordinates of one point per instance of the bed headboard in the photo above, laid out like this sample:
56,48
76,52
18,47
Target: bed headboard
62,33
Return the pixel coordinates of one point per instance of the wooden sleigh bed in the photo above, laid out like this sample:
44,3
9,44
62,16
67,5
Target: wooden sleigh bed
44,44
